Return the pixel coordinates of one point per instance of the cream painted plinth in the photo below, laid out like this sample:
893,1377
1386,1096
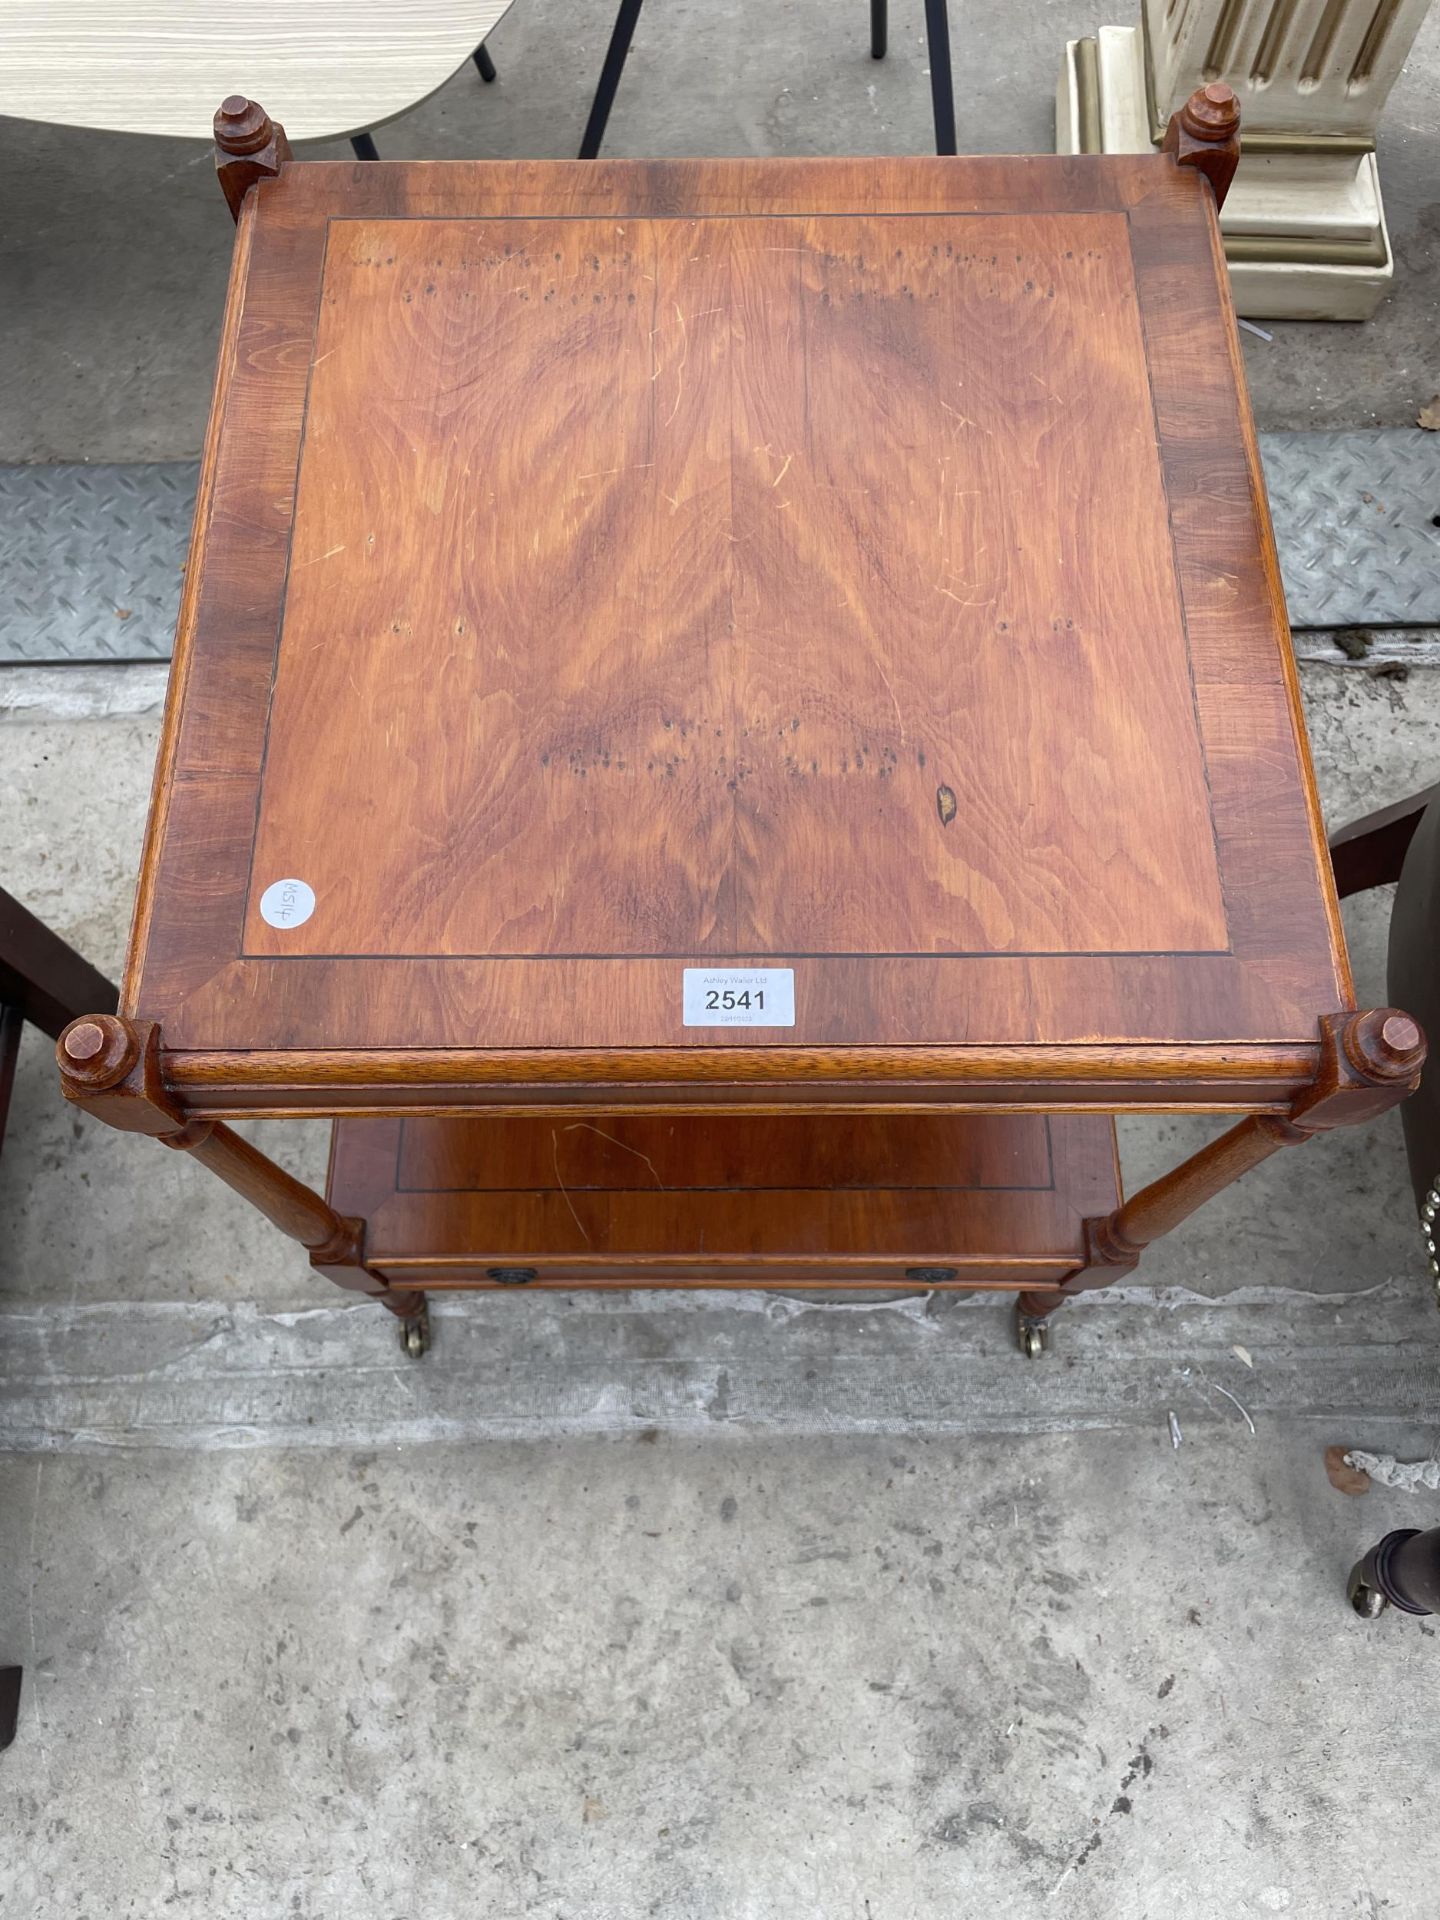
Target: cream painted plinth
1304,222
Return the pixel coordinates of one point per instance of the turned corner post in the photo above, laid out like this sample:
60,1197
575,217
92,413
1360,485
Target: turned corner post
1205,135
1368,1063
249,146
111,1067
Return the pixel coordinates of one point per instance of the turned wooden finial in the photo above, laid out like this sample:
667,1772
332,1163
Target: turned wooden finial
242,126
249,146
97,1051
1211,113
1205,135
1384,1044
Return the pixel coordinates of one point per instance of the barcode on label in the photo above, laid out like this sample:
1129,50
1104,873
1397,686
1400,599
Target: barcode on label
739,997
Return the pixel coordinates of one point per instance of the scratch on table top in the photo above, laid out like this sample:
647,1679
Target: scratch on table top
585,1126
899,717
315,559
680,364
638,466
564,1190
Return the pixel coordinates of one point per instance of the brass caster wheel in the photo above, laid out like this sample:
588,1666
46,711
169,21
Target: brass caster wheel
1366,1601
1034,1337
415,1334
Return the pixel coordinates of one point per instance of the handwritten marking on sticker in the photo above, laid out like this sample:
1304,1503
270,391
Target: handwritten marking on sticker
287,903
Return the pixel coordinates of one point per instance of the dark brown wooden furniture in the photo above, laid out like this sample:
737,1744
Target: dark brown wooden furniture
42,980
45,981
1400,845
846,583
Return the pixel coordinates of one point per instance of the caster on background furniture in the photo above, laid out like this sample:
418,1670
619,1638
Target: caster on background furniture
1402,1571
1366,1601
1032,1333
415,1334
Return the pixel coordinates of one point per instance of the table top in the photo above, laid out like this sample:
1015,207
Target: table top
624,589
162,66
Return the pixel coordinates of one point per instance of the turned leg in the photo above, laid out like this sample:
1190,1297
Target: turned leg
111,1068
1368,1063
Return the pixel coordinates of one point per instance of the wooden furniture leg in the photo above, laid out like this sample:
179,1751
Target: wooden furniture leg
1205,134
111,1068
1370,852
249,146
42,975
10,1029
42,980
1368,1063
9,1704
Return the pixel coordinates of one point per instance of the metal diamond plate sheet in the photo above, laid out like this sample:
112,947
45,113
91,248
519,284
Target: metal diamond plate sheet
91,558
1354,520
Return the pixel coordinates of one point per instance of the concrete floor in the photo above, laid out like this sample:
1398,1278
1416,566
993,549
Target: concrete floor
732,1609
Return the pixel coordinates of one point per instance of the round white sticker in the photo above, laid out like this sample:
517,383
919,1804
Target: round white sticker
288,903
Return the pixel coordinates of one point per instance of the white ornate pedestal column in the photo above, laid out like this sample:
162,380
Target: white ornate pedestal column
1304,223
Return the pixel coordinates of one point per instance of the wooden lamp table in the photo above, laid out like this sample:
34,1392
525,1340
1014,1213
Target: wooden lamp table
728,715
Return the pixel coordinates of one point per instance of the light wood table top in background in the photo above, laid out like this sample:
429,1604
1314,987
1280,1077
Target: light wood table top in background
325,69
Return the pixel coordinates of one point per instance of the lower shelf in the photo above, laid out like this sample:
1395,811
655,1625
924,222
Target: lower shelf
817,1200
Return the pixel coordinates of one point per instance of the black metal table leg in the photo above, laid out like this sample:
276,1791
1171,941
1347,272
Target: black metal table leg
879,11
610,74
942,96
364,147
484,63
